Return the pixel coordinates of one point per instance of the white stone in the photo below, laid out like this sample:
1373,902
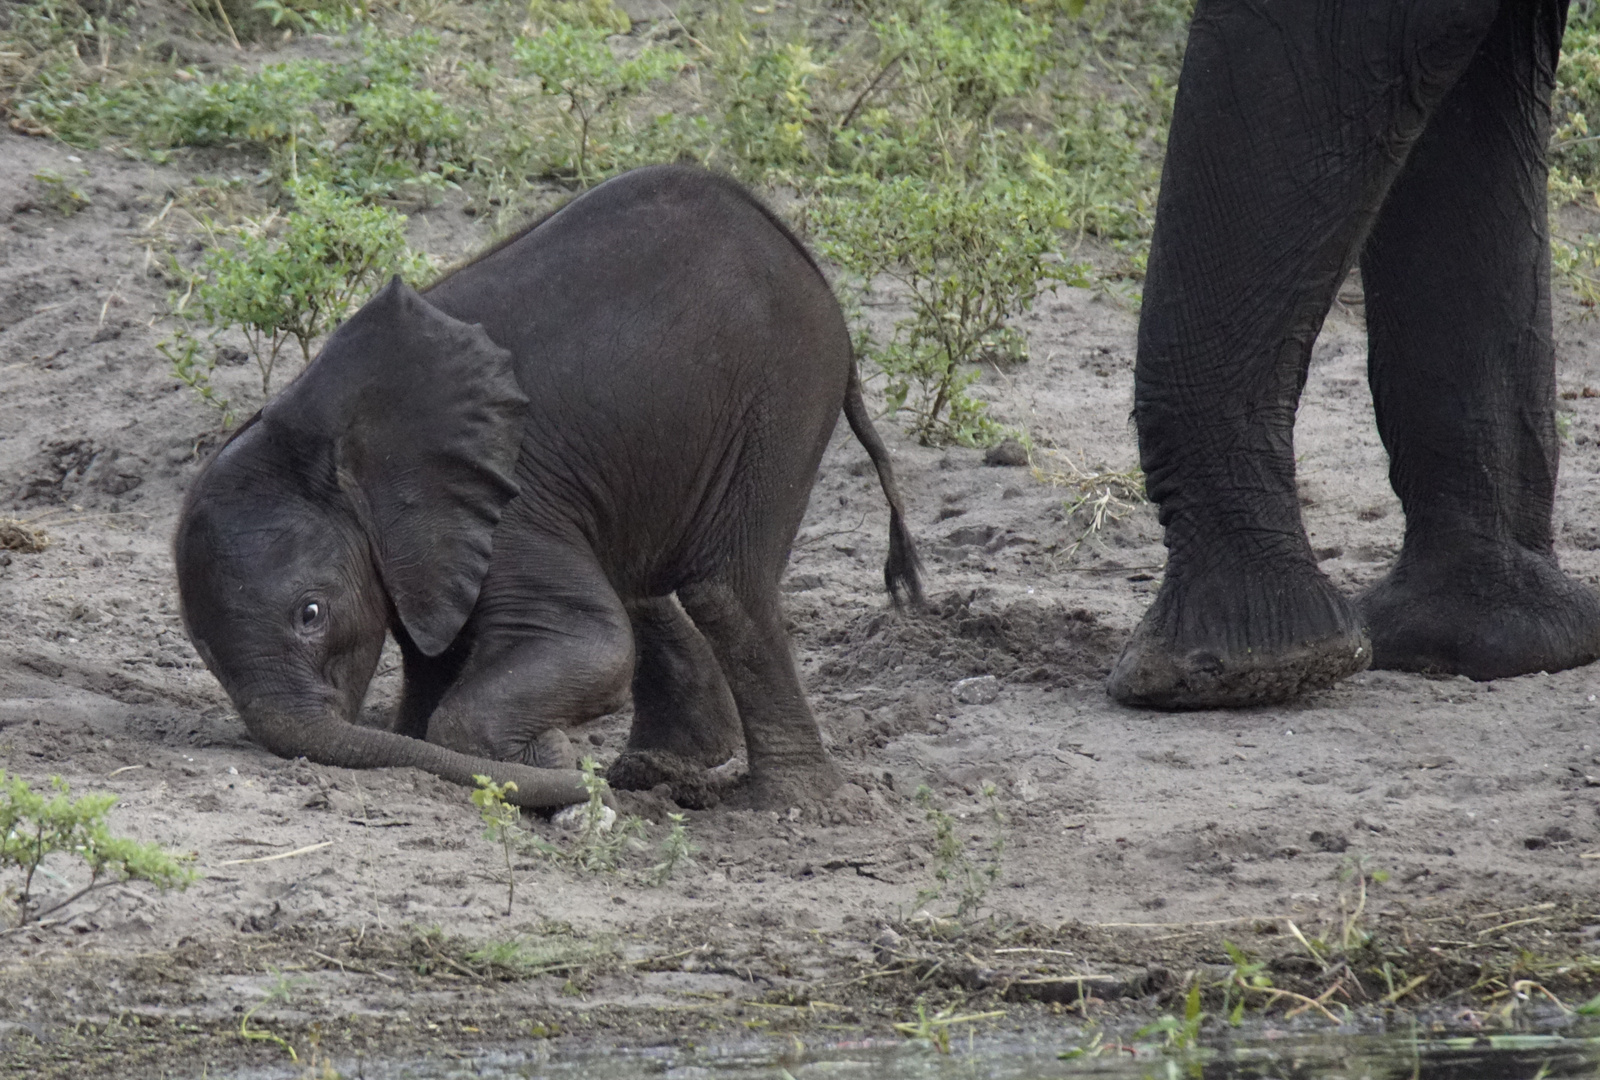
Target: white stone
572,817
979,690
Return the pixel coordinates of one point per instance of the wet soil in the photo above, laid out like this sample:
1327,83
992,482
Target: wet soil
1135,843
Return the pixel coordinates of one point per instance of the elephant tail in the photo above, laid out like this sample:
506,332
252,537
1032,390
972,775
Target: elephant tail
902,570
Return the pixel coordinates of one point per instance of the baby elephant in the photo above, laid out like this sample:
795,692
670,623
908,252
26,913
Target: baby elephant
573,466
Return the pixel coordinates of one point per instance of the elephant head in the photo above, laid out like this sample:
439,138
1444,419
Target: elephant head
366,493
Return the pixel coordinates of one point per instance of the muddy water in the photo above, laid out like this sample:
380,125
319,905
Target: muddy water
1244,1054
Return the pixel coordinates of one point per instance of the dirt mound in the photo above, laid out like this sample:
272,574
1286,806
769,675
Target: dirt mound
967,633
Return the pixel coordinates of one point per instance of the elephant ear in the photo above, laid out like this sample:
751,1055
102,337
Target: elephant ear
423,414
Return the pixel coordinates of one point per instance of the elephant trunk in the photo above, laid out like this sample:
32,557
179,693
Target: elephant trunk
329,739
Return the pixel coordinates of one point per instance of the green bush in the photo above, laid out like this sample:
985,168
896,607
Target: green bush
300,282
576,65
969,259
35,825
947,68
1575,153
367,128
276,108
767,110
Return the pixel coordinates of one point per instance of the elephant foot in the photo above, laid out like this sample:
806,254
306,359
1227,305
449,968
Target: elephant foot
1512,612
811,787
642,770
1253,639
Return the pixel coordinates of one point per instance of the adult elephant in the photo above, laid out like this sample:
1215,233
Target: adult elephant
1411,134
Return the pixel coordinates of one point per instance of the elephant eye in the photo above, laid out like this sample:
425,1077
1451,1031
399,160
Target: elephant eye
310,614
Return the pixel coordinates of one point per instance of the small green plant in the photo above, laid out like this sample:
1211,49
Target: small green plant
500,824
968,260
548,953
767,109
952,865
299,282
576,64
59,193
183,353
282,990
935,1030
277,108
1356,871
1248,975
35,825
957,64
602,839
676,851
1180,1035
413,132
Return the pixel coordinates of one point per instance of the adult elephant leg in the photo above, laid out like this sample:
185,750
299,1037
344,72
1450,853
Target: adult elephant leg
1463,376
551,648
743,622
684,716
1291,122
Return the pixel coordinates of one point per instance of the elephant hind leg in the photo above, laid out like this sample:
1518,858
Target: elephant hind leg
743,623
1462,367
684,716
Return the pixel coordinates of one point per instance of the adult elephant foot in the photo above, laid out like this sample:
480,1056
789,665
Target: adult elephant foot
1510,613
1226,642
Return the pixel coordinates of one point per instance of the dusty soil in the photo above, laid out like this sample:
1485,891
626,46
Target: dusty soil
1134,842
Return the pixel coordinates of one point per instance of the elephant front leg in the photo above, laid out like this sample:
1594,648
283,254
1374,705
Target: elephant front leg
520,691
1463,377
1291,121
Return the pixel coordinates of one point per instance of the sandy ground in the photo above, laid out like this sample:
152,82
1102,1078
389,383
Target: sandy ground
1126,833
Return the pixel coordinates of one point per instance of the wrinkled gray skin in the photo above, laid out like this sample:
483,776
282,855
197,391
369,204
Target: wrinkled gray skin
570,470
1411,135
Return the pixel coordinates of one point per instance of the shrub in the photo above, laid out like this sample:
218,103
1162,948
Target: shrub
34,826
367,128
300,282
767,109
946,70
275,109
969,259
575,64
956,866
